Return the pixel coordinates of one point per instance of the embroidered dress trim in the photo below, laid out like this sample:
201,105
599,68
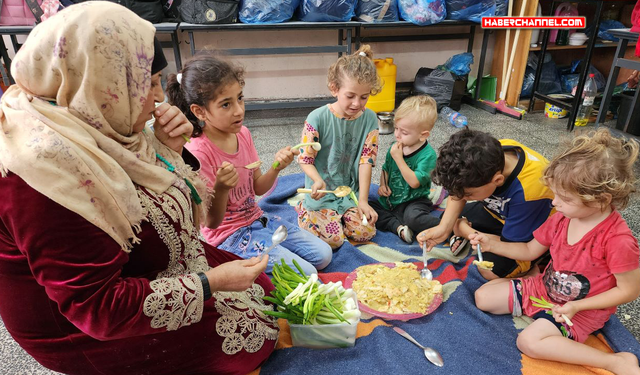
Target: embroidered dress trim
178,296
243,324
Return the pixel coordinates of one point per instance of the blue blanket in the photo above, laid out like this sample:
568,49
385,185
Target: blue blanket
470,341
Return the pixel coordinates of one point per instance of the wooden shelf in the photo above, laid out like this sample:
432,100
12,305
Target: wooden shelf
553,47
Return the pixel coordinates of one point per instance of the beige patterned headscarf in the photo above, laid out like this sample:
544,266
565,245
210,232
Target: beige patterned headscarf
82,78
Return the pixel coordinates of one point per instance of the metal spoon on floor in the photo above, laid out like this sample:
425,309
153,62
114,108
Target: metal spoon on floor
432,355
278,236
425,273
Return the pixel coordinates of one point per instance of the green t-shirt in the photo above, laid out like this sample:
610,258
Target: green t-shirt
421,162
343,143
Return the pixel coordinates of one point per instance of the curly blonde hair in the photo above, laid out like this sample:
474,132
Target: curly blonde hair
596,167
358,66
423,108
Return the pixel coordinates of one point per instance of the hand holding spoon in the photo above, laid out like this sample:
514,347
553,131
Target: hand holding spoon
316,146
340,192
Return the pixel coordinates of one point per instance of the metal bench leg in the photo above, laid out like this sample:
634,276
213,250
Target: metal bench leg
586,62
192,43
611,82
634,102
6,67
176,50
543,51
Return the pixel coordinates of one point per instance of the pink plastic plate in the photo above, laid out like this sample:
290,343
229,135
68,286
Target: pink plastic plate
437,301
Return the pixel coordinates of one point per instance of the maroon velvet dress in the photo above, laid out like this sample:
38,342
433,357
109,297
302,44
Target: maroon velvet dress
80,305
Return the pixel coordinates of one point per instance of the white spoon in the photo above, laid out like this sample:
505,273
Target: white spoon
278,236
365,222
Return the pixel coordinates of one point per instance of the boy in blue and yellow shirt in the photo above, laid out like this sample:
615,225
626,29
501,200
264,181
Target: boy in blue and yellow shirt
504,179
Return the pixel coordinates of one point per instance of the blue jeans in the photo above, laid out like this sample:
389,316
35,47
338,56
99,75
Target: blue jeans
310,252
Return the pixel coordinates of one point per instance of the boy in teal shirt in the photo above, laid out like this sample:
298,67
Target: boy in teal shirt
404,205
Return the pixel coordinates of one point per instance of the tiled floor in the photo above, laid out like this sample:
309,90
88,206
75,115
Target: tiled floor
273,130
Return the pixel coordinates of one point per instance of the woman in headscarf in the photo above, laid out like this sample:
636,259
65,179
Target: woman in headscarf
101,267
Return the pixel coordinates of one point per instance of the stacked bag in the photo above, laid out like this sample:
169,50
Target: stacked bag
419,12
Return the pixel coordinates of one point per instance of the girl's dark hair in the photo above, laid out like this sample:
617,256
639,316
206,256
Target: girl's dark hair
203,77
469,159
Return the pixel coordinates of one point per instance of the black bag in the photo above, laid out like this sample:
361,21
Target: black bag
171,12
209,11
150,10
445,87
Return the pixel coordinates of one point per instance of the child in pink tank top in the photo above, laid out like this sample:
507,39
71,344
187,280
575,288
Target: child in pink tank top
209,92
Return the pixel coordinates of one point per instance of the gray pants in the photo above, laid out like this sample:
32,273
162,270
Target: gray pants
414,214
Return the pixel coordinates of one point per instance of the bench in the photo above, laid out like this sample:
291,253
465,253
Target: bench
345,31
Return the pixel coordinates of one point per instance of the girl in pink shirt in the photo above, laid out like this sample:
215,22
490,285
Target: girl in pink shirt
594,256
209,92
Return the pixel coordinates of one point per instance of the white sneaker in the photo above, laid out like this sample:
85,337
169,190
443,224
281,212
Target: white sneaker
405,233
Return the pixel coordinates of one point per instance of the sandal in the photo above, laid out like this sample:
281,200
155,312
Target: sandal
405,233
461,241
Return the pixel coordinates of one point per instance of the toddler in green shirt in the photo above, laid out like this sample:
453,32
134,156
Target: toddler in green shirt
404,206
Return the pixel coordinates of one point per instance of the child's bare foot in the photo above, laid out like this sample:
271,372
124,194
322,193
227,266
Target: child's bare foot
625,364
405,233
456,244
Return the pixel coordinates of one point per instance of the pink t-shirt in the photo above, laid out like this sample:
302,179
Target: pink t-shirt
583,269
242,209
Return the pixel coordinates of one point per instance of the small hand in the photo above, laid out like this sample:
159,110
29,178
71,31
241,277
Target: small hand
633,79
384,191
368,211
569,309
432,236
317,185
284,157
482,239
226,177
237,275
171,126
396,151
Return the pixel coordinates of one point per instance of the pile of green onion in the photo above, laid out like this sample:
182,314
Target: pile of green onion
302,299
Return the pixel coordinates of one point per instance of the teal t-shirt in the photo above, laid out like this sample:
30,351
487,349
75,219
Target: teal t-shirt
421,162
338,160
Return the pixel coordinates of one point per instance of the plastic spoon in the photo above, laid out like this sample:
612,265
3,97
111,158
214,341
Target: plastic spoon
340,192
277,237
480,263
425,273
316,146
432,355
254,165
364,217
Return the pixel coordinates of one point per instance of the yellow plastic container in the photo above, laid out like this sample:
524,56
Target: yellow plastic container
385,100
